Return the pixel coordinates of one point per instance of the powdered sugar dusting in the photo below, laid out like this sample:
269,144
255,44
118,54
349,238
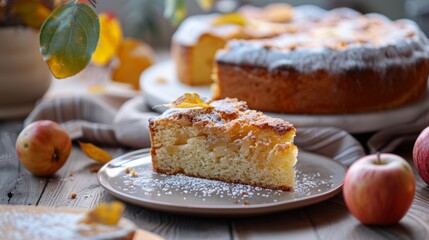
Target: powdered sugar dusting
342,40
30,222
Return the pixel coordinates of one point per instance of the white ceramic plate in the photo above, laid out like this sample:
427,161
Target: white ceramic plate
318,178
158,92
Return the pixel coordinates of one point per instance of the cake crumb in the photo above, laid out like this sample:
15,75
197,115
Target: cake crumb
73,195
133,173
246,202
94,169
244,193
71,174
127,170
235,201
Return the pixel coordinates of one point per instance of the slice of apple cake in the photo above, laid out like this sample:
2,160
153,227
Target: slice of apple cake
224,140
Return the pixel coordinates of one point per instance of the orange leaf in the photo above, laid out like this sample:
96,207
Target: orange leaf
189,100
31,12
96,153
109,41
105,213
134,57
230,18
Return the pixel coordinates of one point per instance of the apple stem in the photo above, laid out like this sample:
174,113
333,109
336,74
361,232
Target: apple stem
378,158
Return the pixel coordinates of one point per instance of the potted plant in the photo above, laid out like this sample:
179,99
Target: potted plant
24,77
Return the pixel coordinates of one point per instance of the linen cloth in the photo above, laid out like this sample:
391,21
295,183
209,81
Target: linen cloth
390,138
96,119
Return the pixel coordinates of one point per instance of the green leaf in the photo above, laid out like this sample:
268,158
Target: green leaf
68,38
175,10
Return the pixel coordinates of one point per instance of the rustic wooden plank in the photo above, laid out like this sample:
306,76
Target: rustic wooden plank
333,221
171,226
74,177
18,186
285,225
90,193
9,166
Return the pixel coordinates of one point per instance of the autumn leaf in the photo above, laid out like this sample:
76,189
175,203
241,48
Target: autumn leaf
230,18
31,12
134,56
206,5
95,153
105,213
109,41
189,100
68,38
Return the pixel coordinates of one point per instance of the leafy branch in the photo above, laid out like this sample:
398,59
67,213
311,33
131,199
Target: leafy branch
69,35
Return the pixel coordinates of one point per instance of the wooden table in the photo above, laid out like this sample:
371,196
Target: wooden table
327,220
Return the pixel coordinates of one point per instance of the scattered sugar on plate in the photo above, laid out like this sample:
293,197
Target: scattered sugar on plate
157,186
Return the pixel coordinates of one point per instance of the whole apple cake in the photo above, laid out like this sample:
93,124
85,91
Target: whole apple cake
346,63
225,141
304,60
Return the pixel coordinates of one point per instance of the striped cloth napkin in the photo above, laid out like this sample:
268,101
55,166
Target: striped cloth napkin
93,119
390,138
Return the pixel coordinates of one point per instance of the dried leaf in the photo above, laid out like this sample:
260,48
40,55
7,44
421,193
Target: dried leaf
95,153
230,18
189,100
68,38
134,57
110,38
105,213
31,12
206,5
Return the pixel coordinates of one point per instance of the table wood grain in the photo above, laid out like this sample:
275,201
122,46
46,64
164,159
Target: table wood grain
327,220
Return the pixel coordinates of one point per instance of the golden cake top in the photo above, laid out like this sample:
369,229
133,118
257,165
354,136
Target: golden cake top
341,41
248,22
310,39
223,114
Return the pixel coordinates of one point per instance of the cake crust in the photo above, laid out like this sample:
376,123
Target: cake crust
321,92
313,61
380,64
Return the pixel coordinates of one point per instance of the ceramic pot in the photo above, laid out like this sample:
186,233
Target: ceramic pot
24,76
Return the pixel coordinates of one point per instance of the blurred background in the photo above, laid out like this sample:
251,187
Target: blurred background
144,18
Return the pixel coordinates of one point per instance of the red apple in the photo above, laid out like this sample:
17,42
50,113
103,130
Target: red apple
421,155
43,147
379,189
